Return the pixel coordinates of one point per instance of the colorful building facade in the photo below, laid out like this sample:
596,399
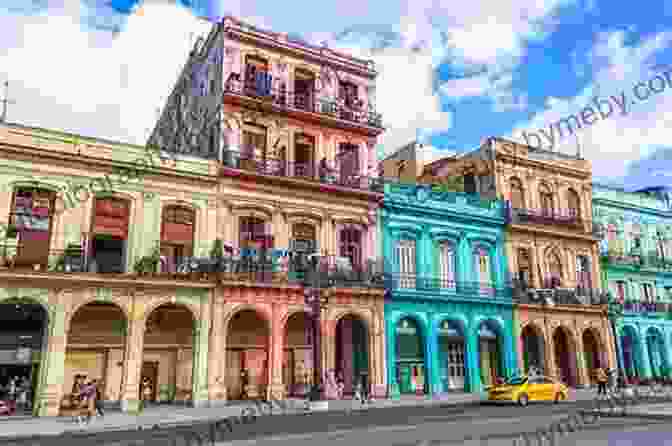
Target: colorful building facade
448,315
561,322
636,255
282,168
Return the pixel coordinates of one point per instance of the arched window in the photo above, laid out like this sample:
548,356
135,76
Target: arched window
546,200
177,236
573,203
31,215
555,271
517,194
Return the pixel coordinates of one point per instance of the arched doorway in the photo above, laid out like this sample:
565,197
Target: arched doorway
490,357
410,360
533,349
23,338
565,361
166,375
297,366
631,352
452,357
658,357
247,347
352,352
96,345
591,354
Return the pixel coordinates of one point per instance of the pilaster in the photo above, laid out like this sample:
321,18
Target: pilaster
133,359
217,350
50,391
200,364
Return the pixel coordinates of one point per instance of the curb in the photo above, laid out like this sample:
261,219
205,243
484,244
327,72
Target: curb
602,414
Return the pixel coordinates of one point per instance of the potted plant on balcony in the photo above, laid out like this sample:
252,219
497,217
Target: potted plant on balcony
148,264
9,242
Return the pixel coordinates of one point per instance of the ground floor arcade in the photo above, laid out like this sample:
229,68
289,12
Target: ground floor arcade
567,342
198,343
644,347
442,347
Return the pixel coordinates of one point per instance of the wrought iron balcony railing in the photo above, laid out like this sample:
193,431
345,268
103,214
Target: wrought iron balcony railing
640,306
650,259
350,110
558,295
434,283
545,217
268,165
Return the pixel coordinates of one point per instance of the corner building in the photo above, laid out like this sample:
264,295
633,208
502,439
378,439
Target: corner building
561,314
449,313
294,140
636,256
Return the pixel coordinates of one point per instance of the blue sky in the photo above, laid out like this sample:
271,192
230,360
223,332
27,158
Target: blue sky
454,73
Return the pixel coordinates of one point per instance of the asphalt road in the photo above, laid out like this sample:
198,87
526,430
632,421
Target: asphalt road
473,424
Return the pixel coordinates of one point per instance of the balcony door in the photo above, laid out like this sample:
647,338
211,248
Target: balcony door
110,235
583,272
177,236
524,267
348,162
257,77
304,156
351,245
32,216
304,90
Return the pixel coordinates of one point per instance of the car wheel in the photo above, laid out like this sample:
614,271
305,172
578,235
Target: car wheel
559,397
523,400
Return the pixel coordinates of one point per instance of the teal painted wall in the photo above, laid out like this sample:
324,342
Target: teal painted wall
429,218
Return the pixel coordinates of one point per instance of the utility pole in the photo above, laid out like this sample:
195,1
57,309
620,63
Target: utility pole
5,101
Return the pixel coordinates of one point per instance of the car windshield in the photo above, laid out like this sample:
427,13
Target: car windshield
517,380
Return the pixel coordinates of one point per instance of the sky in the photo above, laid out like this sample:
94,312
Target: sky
511,69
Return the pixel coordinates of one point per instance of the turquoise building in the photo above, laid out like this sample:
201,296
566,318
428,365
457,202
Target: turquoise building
448,314
636,265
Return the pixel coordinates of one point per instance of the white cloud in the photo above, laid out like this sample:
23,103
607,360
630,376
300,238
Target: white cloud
65,76
613,143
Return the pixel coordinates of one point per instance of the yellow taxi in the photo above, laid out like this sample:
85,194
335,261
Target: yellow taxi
524,389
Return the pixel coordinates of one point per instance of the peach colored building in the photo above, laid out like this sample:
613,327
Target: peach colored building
551,249
189,337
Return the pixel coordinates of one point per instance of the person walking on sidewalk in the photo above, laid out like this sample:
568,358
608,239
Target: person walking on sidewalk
601,381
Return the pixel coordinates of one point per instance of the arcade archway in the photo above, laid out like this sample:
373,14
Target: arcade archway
166,375
658,356
591,354
452,357
490,353
533,349
297,369
23,339
565,358
352,352
95,349
410,358
247,356
631,346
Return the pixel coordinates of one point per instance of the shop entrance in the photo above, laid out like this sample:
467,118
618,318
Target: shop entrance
22,328
410,361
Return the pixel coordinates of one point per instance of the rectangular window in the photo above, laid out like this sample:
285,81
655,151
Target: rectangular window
648,291
254,144
447,266
406,259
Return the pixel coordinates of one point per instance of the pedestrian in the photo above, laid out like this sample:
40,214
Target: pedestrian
99,398
601,381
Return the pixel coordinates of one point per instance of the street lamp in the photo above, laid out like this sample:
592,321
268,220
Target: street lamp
317,298
614,310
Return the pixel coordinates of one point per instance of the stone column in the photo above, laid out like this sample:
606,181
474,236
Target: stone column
378,354
581,370
464,268
645,368
549,354
434,357
276,388
133,358
217,350
473,367
51,390
199,381
390,335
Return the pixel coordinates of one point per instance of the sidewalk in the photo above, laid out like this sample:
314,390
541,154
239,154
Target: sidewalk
174,415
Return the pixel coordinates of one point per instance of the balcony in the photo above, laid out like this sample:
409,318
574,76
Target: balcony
523,293
246,161
351,112
634,306
635,258
545,217
431,283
